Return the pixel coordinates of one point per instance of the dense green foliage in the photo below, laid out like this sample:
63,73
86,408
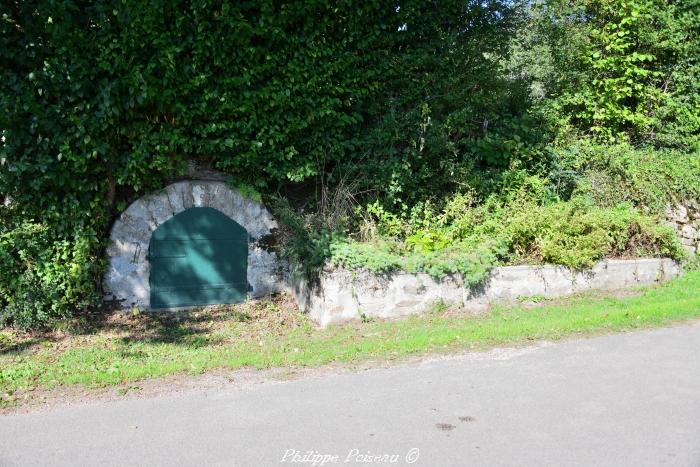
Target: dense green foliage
615,69
431,136
472,239
611,174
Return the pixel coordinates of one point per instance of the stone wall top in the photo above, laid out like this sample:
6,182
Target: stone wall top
342,295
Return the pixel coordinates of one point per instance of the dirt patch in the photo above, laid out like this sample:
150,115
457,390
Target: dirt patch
276,315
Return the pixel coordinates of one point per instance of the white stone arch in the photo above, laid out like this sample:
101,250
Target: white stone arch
126,279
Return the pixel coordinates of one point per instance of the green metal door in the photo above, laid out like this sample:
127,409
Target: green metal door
199,257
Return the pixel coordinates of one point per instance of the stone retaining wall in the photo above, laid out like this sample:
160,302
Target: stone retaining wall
685,219
342,295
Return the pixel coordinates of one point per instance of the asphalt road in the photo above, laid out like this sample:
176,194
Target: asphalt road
620,400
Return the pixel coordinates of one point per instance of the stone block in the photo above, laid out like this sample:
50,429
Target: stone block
678,213
691,249
199,191
509,283
689,231
175,194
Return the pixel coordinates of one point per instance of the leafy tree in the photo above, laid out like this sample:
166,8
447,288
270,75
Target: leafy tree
450,111
615,69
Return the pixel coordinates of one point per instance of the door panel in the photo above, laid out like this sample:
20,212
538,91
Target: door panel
199,257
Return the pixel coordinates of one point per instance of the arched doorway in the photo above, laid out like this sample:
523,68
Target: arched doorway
198,257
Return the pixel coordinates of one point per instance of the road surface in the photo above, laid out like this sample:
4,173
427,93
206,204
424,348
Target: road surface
619,400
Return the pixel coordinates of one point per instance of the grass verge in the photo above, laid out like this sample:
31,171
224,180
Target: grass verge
122,349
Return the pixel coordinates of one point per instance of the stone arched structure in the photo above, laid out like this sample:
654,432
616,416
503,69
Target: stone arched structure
126,281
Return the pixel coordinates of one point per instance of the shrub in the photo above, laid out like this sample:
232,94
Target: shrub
384,256
379,256
611,174
471,239
46,277
577,234
32,305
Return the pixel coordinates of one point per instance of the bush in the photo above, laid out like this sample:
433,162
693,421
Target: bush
33,304
471,239
383,256
611,174
577,234
46,278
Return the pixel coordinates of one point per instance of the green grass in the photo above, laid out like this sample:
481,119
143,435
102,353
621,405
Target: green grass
104,358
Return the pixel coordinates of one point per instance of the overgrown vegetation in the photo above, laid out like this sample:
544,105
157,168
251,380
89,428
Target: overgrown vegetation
575,233
440,137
